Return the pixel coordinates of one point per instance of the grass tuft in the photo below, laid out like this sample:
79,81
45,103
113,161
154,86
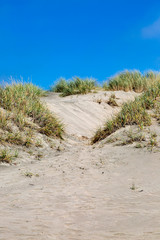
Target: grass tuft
74,86
132,81
6,156
112,102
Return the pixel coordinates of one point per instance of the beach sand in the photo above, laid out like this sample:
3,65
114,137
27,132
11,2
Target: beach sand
79,191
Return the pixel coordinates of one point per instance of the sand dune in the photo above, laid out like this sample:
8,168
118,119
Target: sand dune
80,191
83,114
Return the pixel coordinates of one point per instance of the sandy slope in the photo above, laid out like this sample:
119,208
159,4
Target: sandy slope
82,114
83,191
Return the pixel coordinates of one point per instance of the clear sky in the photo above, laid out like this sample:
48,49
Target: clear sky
46,39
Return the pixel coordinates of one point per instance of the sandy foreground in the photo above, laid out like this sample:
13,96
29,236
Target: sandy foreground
80,191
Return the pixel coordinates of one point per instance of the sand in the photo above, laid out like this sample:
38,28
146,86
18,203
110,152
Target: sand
80,191
83,114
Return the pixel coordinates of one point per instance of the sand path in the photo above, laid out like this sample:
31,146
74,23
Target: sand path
82,193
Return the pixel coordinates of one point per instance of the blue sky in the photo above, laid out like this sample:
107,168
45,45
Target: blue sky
46,39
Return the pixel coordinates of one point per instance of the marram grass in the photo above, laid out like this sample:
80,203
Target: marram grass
22,101
74,86
132,81
132,113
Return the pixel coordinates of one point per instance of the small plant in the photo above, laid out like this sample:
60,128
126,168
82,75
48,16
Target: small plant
153,134
39,155
28,174
5,156
133,187
112,101
136,137
30,152
38,143
138,145
152,141
16,154
28,142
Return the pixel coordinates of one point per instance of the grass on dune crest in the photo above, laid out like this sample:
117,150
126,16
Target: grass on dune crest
132,81
74,86
132,113
126,81
20,105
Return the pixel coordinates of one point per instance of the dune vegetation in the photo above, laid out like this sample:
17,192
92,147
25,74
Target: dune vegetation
132,81
124,81
74,86
23,116
133,113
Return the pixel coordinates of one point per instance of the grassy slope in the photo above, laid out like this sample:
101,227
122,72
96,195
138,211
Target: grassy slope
132,113
23,116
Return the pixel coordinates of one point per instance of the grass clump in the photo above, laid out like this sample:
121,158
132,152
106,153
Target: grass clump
6,156
28,174
132,81
112,102
74,86
23,100
152,141
133,187
132,113
60,86
138,145
14,138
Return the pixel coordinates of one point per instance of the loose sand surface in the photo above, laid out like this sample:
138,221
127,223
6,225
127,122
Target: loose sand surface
83,114
80,191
